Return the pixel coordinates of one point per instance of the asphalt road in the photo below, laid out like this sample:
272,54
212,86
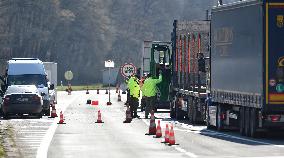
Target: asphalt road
82,137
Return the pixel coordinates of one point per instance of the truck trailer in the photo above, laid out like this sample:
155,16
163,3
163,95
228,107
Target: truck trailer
247,66
190,47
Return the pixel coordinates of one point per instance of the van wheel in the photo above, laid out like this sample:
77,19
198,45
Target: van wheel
47,112
242,121
39,115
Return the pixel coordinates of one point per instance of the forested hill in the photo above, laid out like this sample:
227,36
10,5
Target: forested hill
80,34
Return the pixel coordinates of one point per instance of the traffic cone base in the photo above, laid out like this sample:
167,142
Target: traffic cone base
109,103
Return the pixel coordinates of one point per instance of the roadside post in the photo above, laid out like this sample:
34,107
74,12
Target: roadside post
109,64
68,76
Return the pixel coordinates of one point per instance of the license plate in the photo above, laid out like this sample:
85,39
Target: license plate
23,99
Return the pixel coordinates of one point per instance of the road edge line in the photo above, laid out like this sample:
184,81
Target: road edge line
44,145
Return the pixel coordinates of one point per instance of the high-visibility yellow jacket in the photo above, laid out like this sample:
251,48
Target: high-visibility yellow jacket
135,91
149,88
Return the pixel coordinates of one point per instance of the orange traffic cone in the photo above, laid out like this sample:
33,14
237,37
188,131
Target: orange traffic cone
167,134
119,96
172,140
128,118
53,112
98,91
61,121
99,120
159,130
116,89
152,126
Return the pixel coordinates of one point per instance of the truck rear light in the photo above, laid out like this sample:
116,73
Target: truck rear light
275,118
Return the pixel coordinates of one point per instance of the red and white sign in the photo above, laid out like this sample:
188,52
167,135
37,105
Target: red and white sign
127,69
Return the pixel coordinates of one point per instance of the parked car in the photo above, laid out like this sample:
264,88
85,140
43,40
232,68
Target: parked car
22,99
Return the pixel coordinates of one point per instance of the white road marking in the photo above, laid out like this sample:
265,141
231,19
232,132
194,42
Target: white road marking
44,145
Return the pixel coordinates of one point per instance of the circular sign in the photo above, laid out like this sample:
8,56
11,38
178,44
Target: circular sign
280,88
68,75
127,70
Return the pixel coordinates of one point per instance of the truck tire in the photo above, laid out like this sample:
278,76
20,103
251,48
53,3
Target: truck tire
253,122
219,122
189,110
194,111
242,121
247,122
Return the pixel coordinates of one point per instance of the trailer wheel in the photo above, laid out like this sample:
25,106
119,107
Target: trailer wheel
242,121
190,109
219,122
253,121
194,111
247,122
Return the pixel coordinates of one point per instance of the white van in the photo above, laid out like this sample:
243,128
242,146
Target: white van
29,71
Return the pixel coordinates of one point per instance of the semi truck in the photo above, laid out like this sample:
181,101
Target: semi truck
190,47
156,58
247,66
51,72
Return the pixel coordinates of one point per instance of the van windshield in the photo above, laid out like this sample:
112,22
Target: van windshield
27,79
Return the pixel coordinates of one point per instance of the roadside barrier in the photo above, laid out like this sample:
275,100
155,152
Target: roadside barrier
99,120
128,117
152,126
95,102
159,130
61,121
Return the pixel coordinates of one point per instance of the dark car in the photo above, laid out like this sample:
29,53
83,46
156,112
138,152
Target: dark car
22,99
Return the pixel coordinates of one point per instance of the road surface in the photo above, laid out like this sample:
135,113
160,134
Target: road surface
82,137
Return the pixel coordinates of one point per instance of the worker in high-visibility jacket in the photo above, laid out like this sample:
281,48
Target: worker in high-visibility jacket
134,95
129,83
134,92
149,89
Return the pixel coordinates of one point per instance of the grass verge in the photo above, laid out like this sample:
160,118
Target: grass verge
79,88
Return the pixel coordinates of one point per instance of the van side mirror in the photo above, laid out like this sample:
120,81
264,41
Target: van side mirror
51,87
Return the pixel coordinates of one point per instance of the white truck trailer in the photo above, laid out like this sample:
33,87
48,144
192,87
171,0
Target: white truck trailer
51,72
